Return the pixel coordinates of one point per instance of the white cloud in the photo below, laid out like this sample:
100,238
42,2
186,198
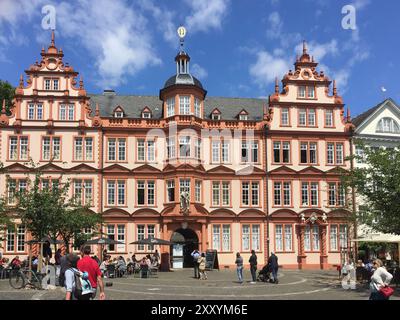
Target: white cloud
267,67
198,71
164,20
275,25
206,14
113,33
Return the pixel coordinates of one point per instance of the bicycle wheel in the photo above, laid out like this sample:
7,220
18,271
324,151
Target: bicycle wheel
17,279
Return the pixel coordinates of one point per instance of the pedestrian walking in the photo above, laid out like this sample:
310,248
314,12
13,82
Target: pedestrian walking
72,275
239,267
196,254
380,280
87,264
273,264
253,266
202,266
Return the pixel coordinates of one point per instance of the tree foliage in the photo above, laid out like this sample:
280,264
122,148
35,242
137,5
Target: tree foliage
50,212
377,185
7,92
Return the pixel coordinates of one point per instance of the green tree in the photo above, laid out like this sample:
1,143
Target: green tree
7,92
377,185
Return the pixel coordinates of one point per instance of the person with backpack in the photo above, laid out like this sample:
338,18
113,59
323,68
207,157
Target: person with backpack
253,266
87,264
77,285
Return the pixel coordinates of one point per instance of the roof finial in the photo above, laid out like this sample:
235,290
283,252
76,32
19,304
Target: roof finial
276,85
52,38
21,81
304,47
81,83
348,115
3,110
334,88
97,112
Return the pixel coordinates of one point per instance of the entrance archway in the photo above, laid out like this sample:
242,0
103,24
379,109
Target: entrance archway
187,241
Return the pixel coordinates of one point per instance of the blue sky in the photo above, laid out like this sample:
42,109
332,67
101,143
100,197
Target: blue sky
237,46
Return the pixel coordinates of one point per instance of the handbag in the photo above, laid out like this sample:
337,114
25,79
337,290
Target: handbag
386,291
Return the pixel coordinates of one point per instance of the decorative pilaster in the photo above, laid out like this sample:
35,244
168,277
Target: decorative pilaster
301,258
324,255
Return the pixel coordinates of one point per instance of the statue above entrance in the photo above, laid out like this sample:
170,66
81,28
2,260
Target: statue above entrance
185,202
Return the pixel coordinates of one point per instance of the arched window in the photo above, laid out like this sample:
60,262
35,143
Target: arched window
387,125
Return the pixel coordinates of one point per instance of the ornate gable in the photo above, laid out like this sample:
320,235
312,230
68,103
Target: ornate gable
283,170
221,170
116,168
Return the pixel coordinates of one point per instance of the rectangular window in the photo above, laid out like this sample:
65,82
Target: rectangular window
255,237
197,108
121,237
360,155
78,191
313,153
111,149
304,152
254,193
78,148
11,239
314,194
184,105
39,112
343,236
286,194
111,193
141,154
286,152
311,117
277,193
121,193
141,192
215,151
89,149
333,238
225,193
184,186
56,148
197,149
184,147
254,151
47,84
226,238
215,193
31,111
197,191
170,107
13,148
304,194
121,149
170,148
284,117
23,155
311,92
278,238
339,153
288,237
302,91
315,230
83,149
140,235
63,112
21,238
111,235
216,237
171,190
151,233
46,148
277,151
151,151
307,238
302,117
328,118
330,153
245,193
51,148
150,193
225,151
55,84
246,237
245,152
71,112
332,194
88,189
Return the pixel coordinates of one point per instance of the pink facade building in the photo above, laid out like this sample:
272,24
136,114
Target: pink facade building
230,174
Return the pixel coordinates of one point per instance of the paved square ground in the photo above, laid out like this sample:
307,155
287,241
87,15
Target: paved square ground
221,285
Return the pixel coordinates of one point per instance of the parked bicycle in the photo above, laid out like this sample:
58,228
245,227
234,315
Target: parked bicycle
21,278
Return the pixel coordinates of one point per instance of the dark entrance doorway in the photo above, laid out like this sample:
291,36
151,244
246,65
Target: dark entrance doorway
190,241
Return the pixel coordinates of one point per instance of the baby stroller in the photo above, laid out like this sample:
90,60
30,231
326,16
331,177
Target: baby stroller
264,275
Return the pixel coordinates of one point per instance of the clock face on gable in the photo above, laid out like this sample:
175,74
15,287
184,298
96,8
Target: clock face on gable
51,64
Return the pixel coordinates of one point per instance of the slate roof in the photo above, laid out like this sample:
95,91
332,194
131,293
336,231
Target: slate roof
183,79
134,104
357,121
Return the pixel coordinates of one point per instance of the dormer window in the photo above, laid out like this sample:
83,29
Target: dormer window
302,92
306,92
146,115
119,112
216,114
387,125
243,115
